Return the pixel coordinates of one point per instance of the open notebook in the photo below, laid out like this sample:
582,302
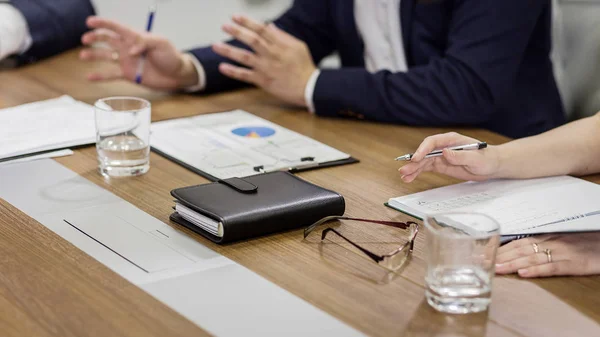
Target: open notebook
533,206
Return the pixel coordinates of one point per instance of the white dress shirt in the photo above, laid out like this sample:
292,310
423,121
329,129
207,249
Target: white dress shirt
379,26
14,32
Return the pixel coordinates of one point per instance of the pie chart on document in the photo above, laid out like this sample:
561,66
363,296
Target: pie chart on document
254,131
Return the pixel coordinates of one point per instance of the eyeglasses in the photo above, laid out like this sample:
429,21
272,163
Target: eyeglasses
393,260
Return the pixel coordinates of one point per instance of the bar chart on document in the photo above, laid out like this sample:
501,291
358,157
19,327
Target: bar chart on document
237,144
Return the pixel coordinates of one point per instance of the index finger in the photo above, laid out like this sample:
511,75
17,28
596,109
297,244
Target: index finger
98,22
255,26
440,141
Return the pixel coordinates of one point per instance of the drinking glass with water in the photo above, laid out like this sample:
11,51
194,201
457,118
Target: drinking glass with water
123,136
461,261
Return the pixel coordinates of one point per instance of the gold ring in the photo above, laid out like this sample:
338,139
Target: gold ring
536,248
115,56
549,255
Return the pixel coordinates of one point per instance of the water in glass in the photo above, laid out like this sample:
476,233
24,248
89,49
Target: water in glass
461,256
123,135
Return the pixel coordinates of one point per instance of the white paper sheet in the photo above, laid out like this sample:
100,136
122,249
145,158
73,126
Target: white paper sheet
53,154
232,144
520,206
46,125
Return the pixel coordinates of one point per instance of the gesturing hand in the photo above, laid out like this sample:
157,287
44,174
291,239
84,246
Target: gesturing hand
279,63
568,254
465,165
165,67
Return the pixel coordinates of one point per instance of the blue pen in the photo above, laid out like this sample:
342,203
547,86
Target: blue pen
140,67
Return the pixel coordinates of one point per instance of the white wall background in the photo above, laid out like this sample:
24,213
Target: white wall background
189,23
577,41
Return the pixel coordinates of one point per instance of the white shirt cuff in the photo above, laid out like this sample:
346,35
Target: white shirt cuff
310,90
201,75
14,32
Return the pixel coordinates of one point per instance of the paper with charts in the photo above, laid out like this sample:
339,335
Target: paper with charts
544,205
237,144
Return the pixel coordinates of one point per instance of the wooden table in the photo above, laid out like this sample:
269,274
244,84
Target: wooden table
50,288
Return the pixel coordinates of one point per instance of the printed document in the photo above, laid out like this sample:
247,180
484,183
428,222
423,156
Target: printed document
46,125
238,144
557,204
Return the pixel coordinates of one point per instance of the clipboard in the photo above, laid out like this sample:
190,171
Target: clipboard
210,177
235,143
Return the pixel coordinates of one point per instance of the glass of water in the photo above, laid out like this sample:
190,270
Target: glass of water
123,136
461,261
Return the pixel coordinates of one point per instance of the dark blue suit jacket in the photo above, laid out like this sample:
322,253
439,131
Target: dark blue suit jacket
55,25
482,63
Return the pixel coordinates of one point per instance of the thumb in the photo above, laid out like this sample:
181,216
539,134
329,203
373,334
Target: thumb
461,158
138,48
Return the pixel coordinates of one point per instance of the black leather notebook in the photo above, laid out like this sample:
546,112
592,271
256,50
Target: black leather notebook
238,209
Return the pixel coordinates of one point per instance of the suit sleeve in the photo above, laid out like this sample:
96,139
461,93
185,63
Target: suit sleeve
486,43
55,26
308,20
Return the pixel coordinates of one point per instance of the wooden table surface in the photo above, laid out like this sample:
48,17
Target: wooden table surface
50,288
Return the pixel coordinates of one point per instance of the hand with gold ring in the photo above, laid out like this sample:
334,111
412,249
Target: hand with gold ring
166,68
551,255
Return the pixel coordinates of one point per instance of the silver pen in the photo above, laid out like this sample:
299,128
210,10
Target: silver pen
437,153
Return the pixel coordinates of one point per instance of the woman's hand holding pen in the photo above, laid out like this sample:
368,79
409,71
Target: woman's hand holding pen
165,67
465,165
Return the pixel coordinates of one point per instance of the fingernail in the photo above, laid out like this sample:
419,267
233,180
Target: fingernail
499,265
523,272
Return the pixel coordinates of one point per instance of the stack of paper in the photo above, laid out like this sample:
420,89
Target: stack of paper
204,222
46,125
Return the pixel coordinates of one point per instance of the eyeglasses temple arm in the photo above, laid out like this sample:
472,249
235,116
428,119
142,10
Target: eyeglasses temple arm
373,256
395,224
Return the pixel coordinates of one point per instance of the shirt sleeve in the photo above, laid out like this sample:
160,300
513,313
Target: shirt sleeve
14,32
310,90
201,75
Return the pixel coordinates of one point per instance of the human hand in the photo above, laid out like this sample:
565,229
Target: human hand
279,63
466,165
571,254
165,67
